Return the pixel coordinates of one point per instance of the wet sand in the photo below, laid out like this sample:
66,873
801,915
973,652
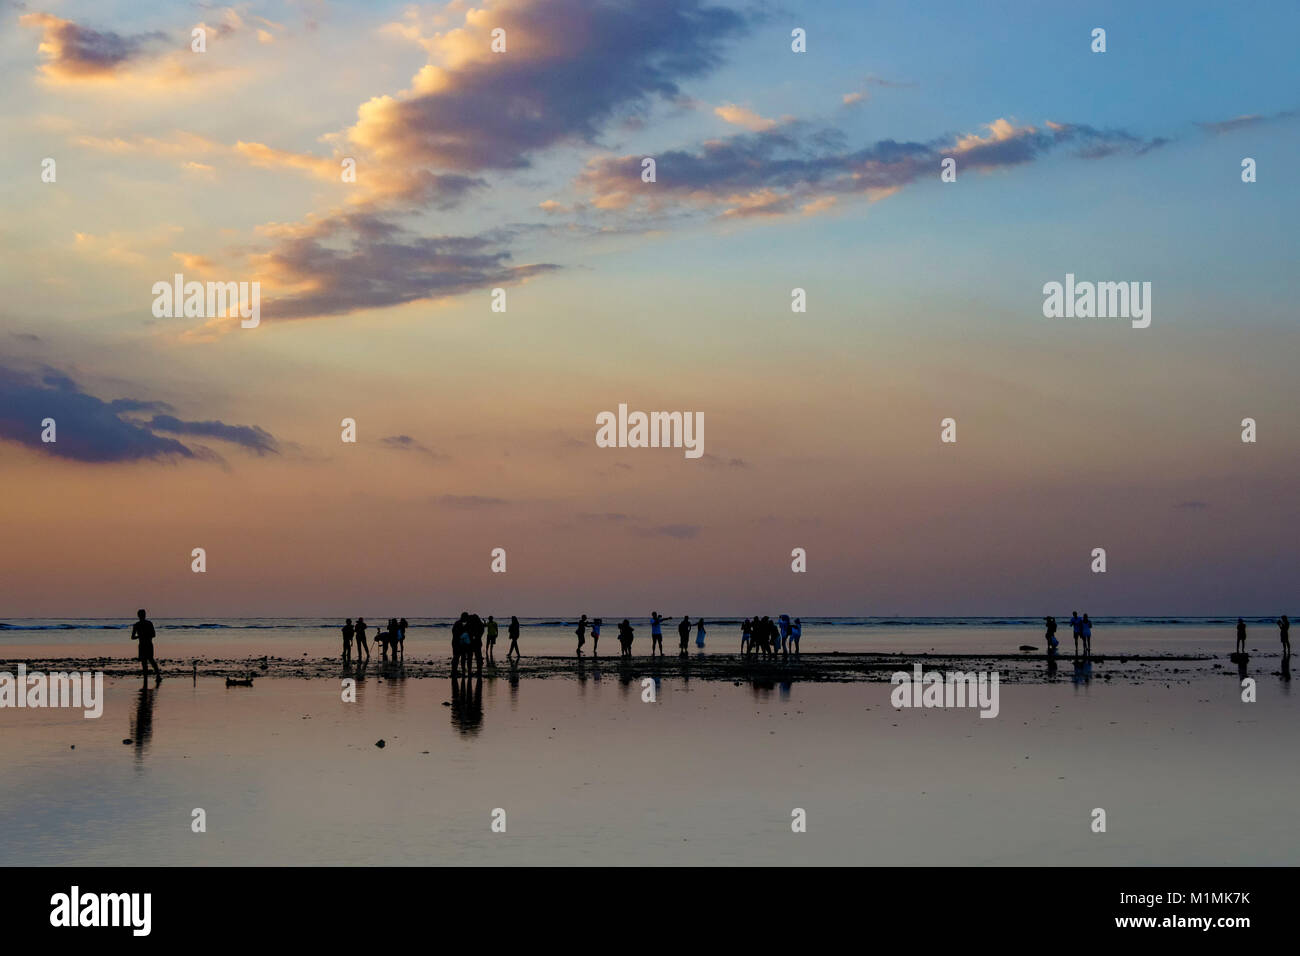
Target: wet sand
817,668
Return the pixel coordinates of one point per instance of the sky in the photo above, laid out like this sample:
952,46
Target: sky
521,170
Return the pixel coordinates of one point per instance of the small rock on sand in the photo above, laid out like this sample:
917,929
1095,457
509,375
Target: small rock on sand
379,743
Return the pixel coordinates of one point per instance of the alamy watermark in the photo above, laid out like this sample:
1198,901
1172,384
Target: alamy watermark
208,300
655,430
1098,300
951,689
75,908
60,689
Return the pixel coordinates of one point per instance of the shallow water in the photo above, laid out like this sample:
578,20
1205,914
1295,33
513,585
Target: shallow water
710,774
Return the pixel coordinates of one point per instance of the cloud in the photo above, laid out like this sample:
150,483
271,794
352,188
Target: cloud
743,116
614,516
471,109
347,262
681,531
469,502
74,52
796,167
90,429
246,436
407,443
1219,127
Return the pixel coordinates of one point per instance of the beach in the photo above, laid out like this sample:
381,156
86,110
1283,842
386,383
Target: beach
587,770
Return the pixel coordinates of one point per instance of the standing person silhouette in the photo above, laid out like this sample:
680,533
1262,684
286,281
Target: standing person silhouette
1284,631
1077,623
347,641
581,631
745,635
360,632
513,632
401,637
1085,627
142,631
683,634
656,633
699,632
796,632
1241,636
1051,634
625,639
595,636
493,629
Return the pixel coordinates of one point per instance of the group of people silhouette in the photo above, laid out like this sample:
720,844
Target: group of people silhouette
626,634
391,639
764,637
1284,632
1082,627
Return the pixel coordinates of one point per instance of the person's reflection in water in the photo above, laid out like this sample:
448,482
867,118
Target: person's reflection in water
467,705
762,687
784,688
1051,663
141,724
1286,673
1083,671
1241,660
624,676
514,682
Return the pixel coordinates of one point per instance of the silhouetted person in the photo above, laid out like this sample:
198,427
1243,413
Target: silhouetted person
683,635
513,633
142,631
656,633
1077,623
796,632
401,638
493,629
745,634
1241,636
475,627
699,632
625,639
1085,628
783,626
360,632
1284,631
581,631
347,641
595,636
1051,634
459,642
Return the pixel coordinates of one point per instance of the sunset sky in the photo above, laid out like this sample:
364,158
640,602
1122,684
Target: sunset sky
775,170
